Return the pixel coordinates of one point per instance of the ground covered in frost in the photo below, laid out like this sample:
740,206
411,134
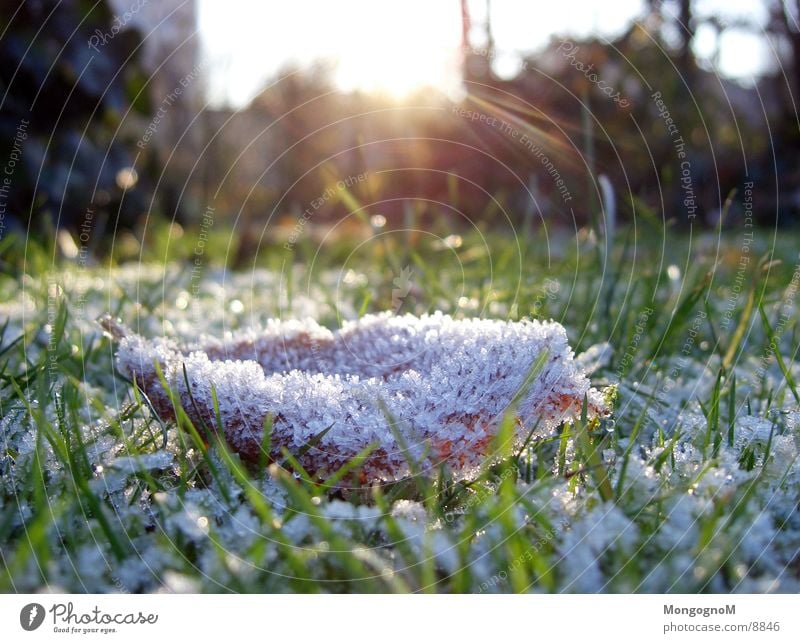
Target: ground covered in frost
692,485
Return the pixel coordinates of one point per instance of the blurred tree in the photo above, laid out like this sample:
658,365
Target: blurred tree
783,22
70,72
683,26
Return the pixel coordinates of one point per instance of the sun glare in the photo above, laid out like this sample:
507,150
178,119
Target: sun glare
388,71
398,48
399,51
394,48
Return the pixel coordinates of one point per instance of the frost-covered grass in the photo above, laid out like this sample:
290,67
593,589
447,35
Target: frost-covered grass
692,486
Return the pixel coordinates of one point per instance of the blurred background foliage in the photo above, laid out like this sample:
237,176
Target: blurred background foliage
73,106
125,131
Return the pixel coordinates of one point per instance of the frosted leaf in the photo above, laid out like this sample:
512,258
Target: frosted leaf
445,384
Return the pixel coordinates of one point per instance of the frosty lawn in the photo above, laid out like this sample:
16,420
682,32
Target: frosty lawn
692,485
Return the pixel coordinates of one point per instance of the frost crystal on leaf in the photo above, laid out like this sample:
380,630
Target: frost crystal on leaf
428,390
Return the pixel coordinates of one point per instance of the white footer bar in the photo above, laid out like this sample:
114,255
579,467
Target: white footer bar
406,619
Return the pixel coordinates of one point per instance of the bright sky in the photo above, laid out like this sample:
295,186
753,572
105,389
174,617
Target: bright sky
397,46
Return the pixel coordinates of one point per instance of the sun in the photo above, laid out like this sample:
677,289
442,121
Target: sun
389,63
396,51
383,74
